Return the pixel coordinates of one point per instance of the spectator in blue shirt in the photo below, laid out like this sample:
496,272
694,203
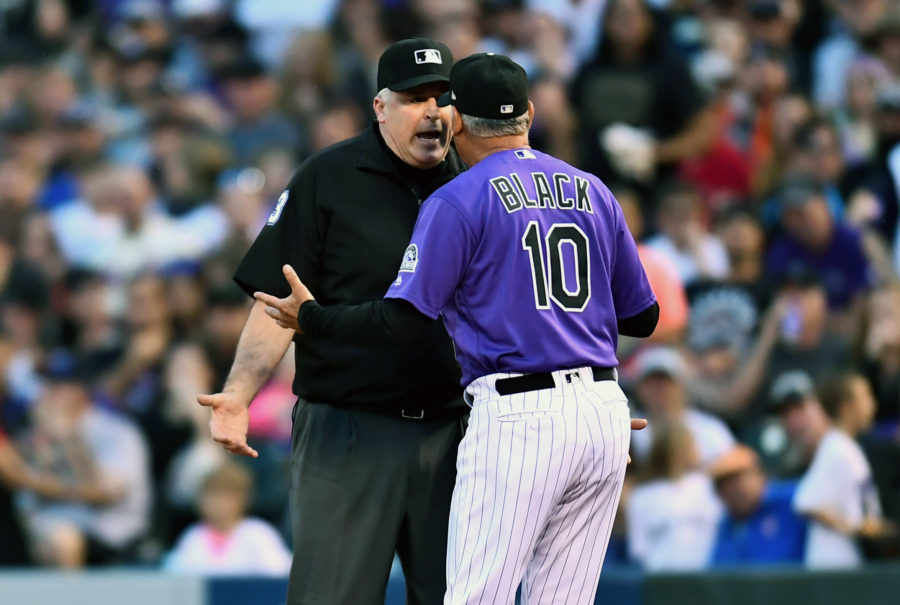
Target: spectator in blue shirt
760,526
814,239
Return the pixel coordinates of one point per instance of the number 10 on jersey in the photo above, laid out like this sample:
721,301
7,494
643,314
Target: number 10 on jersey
548,278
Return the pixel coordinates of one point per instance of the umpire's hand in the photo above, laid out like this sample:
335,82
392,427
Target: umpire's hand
229,421
285,310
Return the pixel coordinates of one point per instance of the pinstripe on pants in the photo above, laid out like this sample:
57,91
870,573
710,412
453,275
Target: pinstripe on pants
539,476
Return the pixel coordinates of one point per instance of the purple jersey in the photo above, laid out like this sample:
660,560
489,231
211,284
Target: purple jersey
530,262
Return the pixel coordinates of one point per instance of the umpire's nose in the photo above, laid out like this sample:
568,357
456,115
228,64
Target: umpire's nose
432,111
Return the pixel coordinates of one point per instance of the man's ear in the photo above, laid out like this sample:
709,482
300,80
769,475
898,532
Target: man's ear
456,123
378,107
530,113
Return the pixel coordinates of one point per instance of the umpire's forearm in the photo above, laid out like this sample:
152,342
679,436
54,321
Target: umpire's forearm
261,347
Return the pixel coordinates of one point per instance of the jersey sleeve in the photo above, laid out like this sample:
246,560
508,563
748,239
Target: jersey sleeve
293,234
631,289
437,256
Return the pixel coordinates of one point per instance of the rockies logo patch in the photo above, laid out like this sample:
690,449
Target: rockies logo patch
410,259
276,213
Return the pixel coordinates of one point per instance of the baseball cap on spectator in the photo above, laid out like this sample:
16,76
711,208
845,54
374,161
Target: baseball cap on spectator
736,460
26,287
664,361
721,318
59,366
413,62
18,121
889,23
764,10
131,49
487,85
797,190
227,295
887,98
713,70
244,68
790,388
78,114
192,9
142,10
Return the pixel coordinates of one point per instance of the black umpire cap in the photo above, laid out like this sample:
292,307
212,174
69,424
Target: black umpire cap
487,85
413,62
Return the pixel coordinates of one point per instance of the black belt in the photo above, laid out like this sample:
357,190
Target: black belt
414,414
543,380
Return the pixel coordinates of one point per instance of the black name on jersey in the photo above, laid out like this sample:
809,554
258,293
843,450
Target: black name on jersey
561,191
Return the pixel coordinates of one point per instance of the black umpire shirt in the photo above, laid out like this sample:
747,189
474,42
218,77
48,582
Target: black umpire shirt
343,224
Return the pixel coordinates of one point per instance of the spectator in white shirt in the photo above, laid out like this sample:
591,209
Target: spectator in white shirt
87,444
837,492
225,541
662,376
121,229
672,517
683,239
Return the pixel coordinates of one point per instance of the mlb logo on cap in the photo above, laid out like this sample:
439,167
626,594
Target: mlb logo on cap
506,109
428,55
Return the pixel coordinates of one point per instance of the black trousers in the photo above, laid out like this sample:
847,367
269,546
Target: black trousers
364,485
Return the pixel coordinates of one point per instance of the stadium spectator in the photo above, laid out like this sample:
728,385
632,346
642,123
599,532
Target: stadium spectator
672,516
225,541
16,475
837,492
133,381
857,20
652,115
91,446
661,389
881,350
813,238
252,93
181,455
662,274
759,526
696,253
878,202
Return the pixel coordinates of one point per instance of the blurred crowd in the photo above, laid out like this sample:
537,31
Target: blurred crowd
754,146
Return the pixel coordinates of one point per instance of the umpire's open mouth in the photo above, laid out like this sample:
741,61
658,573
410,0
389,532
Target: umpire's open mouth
428,135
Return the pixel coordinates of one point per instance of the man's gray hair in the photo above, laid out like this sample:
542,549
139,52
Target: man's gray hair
385,95
490,127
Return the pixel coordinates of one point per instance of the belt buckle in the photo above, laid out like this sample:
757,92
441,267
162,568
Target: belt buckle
413,414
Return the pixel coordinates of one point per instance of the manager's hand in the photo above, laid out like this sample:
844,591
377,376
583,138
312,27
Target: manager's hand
284,310
229,421
637,424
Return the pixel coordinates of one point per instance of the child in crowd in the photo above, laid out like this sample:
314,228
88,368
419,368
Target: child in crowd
225,541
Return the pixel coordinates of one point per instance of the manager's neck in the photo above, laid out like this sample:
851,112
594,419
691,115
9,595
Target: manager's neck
479,148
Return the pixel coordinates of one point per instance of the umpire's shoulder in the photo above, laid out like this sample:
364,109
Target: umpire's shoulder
329,161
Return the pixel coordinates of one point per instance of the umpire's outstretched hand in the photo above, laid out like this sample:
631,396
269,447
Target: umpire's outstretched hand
229,421
285,310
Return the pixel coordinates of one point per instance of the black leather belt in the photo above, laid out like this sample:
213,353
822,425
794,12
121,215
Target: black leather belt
543,380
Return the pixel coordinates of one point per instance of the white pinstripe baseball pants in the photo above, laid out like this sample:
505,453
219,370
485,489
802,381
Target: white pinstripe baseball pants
539,476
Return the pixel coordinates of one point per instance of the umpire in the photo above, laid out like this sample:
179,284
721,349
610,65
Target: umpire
376,428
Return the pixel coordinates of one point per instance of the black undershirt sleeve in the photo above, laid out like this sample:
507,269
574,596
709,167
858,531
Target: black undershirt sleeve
377,322
394,320
642,324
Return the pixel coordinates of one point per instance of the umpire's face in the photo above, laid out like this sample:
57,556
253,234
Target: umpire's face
413,126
